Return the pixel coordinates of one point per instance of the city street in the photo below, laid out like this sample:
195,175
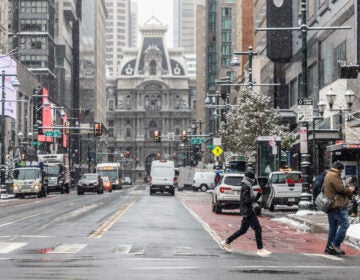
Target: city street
128,234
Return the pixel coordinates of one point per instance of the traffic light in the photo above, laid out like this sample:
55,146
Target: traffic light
183,136
97,129
157,136
67,127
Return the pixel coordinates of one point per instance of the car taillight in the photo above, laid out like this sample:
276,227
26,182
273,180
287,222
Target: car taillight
222,189
174,179
258,190
150,179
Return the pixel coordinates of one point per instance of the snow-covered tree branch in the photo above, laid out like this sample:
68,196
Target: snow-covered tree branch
252,117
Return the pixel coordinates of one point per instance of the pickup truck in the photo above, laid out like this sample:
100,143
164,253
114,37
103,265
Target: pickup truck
282,188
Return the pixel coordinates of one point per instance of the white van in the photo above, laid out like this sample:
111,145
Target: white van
204,180
162,177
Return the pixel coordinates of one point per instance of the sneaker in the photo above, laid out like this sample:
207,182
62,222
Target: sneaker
263,252
353,215
226,246
337,250
330,251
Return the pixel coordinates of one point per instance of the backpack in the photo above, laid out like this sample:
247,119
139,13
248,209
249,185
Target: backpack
317,184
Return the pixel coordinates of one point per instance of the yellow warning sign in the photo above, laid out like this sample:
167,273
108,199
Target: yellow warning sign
217,151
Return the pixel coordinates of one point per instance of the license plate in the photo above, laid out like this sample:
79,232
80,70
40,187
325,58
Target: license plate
291,199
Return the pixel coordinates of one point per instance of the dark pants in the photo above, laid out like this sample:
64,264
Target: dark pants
338,225
253,222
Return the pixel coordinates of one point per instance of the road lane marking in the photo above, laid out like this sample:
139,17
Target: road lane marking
104,227
68,248
24,218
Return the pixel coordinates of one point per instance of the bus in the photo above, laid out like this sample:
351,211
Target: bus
113,171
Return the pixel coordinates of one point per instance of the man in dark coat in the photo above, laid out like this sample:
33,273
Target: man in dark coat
338,214
249,217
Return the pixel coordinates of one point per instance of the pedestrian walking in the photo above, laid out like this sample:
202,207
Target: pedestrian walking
250,219
338,213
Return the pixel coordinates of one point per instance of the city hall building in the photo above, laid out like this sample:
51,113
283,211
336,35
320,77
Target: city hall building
153,92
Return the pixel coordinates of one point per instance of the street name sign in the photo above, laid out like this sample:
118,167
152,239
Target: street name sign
197,141
305,109
52,133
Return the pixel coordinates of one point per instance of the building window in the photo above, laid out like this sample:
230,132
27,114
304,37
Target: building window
339,56
111,105
33,6
226,36
33,25
153,68
312,78
128,132
293,93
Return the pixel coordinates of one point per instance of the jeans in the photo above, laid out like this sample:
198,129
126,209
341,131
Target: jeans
338,225
250,221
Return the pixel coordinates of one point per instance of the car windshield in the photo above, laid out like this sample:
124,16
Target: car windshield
52,170
105,179
22,174
89,177
233,181
281,178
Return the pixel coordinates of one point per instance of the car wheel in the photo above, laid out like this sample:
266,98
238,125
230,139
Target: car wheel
203,188
217,208
213,206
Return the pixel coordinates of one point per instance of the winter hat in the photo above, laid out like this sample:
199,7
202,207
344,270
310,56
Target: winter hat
250,174
338,165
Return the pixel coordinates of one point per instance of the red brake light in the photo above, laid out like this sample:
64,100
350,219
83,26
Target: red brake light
150,179
222,189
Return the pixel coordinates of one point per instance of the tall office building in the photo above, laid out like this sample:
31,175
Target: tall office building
133,24
3,25
184,35
117,33
92,62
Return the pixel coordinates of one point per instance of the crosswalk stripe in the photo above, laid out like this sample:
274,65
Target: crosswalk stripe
7,247
68,248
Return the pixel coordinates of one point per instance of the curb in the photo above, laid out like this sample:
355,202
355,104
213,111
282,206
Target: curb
321,227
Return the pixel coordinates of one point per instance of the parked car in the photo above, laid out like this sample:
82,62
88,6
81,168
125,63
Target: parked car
226,194
107,183
203,180
282,188
90,182
127,181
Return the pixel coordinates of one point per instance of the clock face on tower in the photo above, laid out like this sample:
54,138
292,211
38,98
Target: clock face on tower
278,3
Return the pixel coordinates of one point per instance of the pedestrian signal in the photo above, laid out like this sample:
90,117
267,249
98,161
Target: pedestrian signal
67,128
183,136
97,129
157,136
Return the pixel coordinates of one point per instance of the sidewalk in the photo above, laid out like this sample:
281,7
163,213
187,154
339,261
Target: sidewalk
317,222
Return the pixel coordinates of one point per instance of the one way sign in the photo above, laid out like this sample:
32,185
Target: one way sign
305,110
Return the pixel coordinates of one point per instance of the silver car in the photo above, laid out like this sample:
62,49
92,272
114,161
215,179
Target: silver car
226,194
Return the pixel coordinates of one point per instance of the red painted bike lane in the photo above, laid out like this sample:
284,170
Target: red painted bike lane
277,237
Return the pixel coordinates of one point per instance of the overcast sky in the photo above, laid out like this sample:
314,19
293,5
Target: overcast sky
160,9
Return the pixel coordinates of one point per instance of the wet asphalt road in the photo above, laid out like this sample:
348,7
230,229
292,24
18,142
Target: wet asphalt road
128,234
